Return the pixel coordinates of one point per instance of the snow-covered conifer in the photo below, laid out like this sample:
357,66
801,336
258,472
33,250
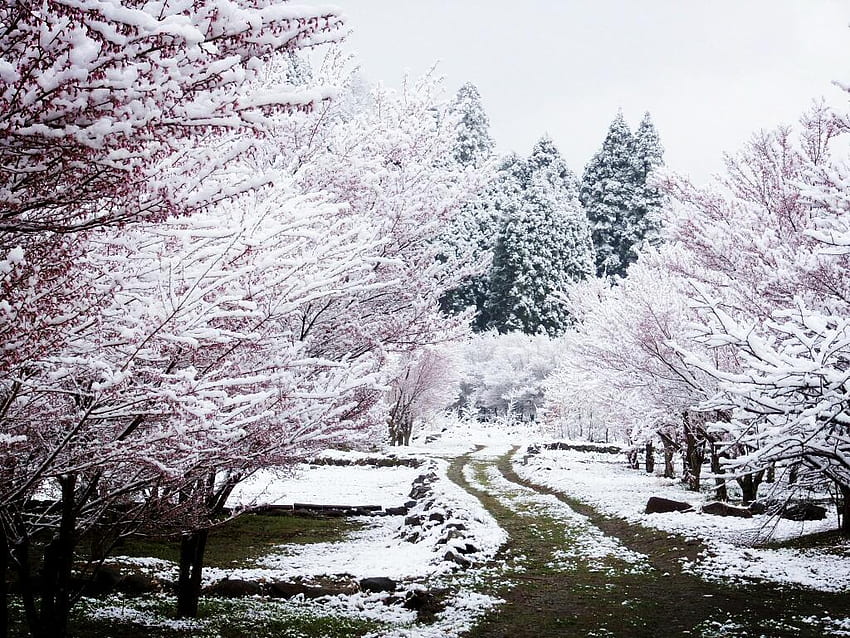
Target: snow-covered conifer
543,247
620,206
473,145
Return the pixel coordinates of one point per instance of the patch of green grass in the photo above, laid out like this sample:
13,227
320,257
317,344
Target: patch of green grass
247,537
153,618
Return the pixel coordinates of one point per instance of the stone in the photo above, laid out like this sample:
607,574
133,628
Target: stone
138,585
104,581
457,559
396,511
658,505
718,508
439,517
233,588
378,584
803,511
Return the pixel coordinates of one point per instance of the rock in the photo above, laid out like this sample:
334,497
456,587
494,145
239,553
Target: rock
450,535
138,584
104,581
378,584
396,511
468,549
803,511
658,505
457,559
233,588
413,521
419,492
439,517
288,590
724,509
421,600
409,504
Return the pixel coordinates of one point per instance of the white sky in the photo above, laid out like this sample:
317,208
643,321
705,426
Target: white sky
709,72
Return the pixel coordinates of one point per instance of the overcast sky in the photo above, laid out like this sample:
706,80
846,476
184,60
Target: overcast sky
710,73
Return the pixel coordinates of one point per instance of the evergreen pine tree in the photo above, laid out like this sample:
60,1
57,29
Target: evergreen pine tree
474,231
621,207
650,156
543,247
474,144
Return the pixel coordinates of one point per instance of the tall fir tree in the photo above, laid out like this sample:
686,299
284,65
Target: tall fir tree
544,246
650,156
474,145
473,233
621,206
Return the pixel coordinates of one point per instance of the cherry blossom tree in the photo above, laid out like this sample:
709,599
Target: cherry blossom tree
424,383
193,377
119,112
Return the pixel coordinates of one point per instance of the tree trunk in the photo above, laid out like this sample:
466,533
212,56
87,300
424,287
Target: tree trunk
694,455
845,509
20,558
650,458
192,548
770,477
58,563
750,485
4,588
720,490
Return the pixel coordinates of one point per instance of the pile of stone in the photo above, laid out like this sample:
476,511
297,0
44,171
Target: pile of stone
430,520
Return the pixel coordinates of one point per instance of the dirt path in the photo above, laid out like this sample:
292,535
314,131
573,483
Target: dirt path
576,572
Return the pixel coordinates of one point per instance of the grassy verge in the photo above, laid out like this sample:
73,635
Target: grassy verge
246,538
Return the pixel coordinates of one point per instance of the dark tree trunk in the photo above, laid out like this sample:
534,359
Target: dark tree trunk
58,563
634,460
721,492
670,448
20,557
792,473
845,509
770,477
694,454
192,547
4,588
750,485
650,458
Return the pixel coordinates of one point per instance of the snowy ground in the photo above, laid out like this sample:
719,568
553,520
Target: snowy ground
604,481
350,485
377,550
601,480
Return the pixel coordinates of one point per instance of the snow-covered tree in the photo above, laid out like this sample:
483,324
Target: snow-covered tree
621,361
422,384
503,374
772,287
473,145
190,378
122,111
621,206
472,235
544,246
